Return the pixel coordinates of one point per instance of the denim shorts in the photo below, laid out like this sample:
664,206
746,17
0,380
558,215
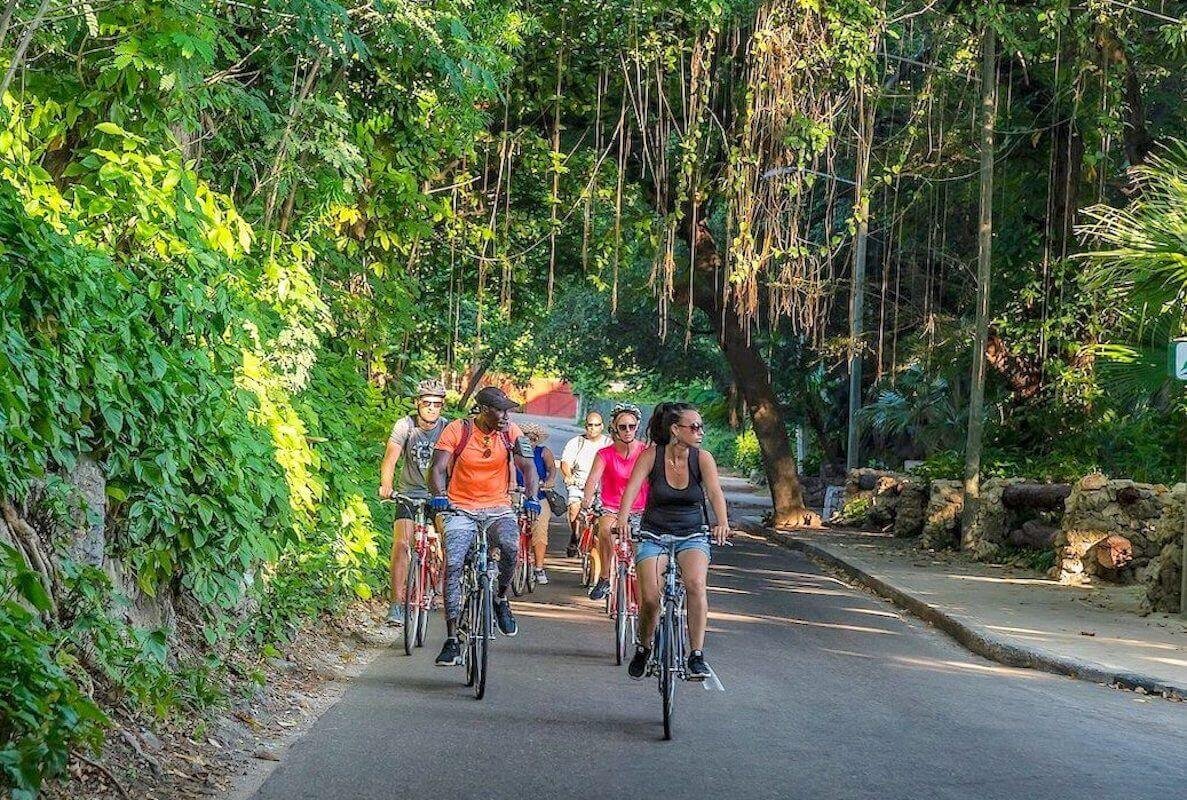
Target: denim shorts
647,549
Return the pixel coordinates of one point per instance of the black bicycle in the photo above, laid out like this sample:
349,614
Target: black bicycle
476,626
669,652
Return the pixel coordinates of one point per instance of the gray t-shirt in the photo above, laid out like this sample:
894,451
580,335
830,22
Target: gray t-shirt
416,453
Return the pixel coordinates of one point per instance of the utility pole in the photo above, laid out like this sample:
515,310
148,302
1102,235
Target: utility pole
857,288
972,452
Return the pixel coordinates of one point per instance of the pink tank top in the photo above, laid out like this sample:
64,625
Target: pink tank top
617,474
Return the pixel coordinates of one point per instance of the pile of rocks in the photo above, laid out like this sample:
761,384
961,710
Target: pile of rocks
941,518
872,498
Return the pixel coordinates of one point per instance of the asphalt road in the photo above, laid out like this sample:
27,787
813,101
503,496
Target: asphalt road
829,694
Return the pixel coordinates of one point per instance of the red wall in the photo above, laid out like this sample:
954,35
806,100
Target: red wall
548,397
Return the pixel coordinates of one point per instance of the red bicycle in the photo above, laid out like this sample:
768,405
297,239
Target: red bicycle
587,541
425,567
623,599
523,580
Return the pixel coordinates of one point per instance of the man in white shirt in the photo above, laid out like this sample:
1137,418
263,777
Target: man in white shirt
576,462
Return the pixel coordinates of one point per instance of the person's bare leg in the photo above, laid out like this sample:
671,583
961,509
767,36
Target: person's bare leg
649,572
398,571
605,542
694,570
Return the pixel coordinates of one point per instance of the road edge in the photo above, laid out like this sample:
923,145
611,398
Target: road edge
974,638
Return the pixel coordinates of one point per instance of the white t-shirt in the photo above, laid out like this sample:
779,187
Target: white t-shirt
579,454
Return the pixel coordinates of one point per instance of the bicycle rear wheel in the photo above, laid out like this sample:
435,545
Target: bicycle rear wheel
422,612
518,577
412,591
668,670
482,635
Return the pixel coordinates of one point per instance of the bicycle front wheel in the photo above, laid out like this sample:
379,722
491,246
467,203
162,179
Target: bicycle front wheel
519,581
668,670
482,635
620,617
412,596
470,624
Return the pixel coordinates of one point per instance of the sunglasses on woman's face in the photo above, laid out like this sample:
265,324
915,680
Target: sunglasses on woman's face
694,426
628,427
432,404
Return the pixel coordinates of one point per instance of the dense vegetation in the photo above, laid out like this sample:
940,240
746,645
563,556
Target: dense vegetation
232,235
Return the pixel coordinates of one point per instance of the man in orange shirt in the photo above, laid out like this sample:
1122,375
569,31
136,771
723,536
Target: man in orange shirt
474,470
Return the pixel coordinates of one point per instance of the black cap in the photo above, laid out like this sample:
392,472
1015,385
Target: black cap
495,397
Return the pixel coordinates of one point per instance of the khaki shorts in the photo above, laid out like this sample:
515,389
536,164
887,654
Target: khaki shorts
540,529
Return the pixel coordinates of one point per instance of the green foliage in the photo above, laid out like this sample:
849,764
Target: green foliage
43,713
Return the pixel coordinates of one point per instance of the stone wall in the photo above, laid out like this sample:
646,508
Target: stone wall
941,518
910,513
988,529
1148,516
872,498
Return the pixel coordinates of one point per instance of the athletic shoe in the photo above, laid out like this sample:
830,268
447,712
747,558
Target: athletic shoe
505,619
571,550
451,654
395,615
698,670
600,590
541,577
638,665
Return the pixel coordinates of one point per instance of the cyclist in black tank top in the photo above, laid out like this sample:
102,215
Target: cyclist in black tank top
674,511
682,484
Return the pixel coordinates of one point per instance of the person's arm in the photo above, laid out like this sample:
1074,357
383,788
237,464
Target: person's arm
567,463
387,470
549,476
635,485
594,481
712,486
439,472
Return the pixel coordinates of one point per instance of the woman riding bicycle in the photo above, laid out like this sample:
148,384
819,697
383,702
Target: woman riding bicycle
609,474
680,477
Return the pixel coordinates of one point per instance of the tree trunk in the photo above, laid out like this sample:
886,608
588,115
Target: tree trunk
750,373
1038,496
972,452
735,408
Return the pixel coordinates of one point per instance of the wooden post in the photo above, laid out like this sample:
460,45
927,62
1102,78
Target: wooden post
972,453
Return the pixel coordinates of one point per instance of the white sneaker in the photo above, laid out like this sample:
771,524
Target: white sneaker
541,577
395,615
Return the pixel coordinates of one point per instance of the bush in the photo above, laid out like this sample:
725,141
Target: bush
747,455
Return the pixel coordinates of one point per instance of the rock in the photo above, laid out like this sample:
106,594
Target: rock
266,754
941,527
1093,482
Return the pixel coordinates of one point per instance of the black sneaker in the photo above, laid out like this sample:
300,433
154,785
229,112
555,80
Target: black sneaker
638,665
504,618
698,670
451,654
600,590
571,550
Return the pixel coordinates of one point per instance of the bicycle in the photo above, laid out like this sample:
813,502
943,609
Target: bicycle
623,597
524,578
425,567
476,626
669,652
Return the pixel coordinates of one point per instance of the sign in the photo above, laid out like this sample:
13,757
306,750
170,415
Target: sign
1177,359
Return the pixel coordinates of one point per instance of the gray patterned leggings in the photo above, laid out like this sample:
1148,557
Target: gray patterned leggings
500,527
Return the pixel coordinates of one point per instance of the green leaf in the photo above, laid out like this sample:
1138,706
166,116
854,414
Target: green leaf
111,129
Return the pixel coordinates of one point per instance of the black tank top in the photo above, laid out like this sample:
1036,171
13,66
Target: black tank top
674,511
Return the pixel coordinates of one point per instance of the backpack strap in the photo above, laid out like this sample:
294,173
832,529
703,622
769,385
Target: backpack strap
694,470
459,448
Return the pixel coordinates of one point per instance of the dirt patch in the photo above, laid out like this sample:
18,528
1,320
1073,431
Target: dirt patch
230,752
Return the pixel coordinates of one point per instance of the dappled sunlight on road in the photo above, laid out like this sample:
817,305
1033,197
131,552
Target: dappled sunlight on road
727,616
966,668
1015,581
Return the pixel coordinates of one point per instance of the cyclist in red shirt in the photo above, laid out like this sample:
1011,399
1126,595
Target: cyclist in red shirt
474,470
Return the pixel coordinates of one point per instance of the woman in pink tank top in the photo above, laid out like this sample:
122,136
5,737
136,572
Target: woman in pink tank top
609,475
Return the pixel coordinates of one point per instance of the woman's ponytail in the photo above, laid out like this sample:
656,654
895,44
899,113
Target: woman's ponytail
659,428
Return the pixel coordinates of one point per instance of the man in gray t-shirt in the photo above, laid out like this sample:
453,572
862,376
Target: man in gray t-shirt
415,438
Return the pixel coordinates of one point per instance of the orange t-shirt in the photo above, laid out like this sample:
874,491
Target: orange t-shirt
481,476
